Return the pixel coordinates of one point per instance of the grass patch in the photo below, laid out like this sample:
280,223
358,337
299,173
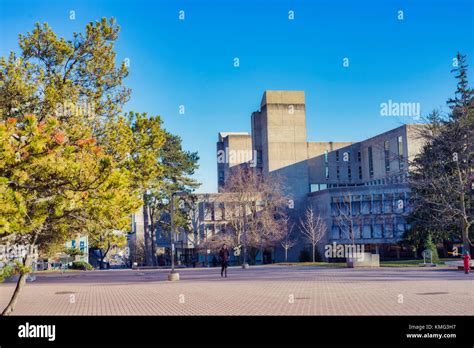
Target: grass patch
318,264
405,263
69,270
393,263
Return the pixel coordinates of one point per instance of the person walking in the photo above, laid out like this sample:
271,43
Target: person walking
224,258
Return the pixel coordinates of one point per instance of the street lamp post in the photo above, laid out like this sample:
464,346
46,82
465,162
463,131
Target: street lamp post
245,264
173,275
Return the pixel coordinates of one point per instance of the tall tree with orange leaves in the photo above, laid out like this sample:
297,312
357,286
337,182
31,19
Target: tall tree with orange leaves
70,161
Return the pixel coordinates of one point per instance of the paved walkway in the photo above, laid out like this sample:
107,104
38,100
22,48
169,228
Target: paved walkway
260,290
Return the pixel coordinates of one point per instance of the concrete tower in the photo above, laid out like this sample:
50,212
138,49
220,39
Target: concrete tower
279,139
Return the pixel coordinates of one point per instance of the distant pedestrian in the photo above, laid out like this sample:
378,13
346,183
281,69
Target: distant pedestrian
224,258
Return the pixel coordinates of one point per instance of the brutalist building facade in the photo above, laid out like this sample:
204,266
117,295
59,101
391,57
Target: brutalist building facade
360,189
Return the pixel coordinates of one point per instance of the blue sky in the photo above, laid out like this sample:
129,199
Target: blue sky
190,62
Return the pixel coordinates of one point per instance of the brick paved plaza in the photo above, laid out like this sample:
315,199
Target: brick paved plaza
261,290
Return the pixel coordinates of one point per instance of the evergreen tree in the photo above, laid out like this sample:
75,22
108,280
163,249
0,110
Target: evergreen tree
70,161
178,166
442,173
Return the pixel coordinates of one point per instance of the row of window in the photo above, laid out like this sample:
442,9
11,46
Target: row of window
346,157
394,179
349,173
371,197
368,208
386,203
220,211
370,231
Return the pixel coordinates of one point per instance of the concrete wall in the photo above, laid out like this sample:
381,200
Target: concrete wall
317,164
233,149
389,211
281,122
279,141
136,238
397,165
415,141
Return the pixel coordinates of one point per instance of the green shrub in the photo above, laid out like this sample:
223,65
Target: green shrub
82,265
430,245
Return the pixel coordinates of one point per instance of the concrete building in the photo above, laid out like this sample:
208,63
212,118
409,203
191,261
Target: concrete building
62,259
136,238
369,177
233,149
210,221
364,182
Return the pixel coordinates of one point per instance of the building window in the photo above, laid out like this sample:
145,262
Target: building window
366,204
359,156
259,158
400,202
371,162
386,146
209,211
356,205
338,173
327,172
337,156
221,177
349,173
318,187
326,156
360,172
209,230
388,203
219,211
400,152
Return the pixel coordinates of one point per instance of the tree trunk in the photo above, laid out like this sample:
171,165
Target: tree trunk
103,256
146,230
465,238
313,251
27,261
101,259
465,225
153,239
153,247
286,255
